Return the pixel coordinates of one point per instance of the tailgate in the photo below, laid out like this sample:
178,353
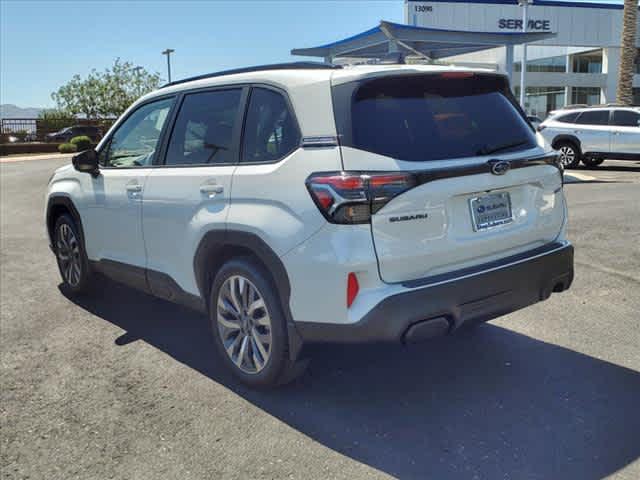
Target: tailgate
480,186
436,228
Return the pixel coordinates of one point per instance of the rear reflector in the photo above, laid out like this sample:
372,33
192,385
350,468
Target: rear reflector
352,288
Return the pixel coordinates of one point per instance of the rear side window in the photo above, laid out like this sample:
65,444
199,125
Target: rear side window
596,117
204,129
270,131
568,118
626,118
430,117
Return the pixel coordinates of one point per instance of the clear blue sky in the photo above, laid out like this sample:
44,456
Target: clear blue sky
44,43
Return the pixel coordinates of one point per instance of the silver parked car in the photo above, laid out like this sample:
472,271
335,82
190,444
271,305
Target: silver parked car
593,134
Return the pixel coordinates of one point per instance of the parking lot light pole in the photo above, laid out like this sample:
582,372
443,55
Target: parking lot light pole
168,53
523,64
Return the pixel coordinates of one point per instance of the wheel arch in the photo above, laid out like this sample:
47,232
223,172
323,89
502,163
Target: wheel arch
217,247
59,205
567,138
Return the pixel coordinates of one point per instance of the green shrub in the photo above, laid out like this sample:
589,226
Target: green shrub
67,148
82,143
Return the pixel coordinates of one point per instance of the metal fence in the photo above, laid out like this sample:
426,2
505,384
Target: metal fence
36,129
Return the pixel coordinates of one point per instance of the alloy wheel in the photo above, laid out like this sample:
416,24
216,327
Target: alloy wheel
244,324
68,252
567,155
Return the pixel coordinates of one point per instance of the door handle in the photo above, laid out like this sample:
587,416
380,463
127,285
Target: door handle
211,189
134,188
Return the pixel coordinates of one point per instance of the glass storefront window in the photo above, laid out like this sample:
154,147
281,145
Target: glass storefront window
585,96
551,64
539,101
590,62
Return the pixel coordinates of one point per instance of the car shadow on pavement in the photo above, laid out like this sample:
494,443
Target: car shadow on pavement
486,403
631,166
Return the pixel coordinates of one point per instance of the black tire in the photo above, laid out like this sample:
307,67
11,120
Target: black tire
278,367
592,162
570,154
71,256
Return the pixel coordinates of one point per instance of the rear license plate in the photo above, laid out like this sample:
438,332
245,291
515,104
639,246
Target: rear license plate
490,210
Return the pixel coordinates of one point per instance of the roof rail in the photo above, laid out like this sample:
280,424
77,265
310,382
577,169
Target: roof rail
575,105
599,105
260,68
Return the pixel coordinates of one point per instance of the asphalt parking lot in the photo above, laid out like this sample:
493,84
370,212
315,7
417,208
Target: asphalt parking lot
122,385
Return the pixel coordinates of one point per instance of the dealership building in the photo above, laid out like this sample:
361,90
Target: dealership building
573,48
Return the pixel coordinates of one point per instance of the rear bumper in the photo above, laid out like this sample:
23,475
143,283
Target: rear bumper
440,307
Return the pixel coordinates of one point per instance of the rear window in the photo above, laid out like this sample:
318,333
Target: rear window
430,117
568,118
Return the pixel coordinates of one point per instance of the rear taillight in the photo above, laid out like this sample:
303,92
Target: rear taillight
456,75
350,197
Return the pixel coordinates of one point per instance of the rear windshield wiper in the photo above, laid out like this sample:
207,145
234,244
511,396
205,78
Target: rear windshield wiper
488,150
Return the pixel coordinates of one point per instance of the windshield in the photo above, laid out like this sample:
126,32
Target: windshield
431,117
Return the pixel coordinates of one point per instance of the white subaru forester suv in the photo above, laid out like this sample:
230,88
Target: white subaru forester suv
300,203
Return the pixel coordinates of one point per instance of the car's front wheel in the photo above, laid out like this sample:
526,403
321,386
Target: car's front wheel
70,255
249,327
569,154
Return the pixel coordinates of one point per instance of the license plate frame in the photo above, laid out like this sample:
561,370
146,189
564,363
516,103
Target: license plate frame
490,210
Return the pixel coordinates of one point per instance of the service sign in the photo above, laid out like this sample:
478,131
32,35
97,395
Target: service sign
576,24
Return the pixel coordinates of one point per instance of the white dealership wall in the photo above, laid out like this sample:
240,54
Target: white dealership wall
579,26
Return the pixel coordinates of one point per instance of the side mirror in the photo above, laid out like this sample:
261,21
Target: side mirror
86,162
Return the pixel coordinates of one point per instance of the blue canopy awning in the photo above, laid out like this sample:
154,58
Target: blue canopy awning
433,43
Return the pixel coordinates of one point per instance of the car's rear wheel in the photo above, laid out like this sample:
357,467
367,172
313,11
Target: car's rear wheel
248,325
569,154
70,255
592,162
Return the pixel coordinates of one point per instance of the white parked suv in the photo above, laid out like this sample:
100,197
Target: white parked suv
593,134
300,203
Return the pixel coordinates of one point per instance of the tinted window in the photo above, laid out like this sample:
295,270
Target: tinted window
270,131
430,117
135,141
203,132
568,118
626,118
596,117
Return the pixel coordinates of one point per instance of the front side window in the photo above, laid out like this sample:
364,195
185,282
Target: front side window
270,131
626,118
431,117
596,117
135,142
204,130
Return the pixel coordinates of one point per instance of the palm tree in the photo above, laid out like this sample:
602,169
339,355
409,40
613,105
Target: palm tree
629,52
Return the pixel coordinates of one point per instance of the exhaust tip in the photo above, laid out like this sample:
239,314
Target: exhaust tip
426,329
